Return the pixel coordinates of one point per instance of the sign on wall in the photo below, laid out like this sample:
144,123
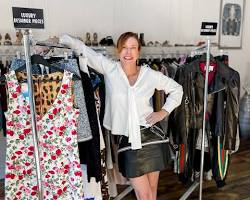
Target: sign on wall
28,18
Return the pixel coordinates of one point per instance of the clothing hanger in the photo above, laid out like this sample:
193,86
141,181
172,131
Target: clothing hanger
50,62
35,59
203,57
142,61
156,61
54,60
38,59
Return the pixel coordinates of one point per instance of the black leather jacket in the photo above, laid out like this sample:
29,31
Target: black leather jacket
223,103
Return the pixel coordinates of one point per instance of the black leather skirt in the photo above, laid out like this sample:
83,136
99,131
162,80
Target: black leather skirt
153,156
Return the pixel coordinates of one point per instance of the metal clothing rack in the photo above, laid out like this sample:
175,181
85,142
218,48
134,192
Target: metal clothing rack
200,183
26,39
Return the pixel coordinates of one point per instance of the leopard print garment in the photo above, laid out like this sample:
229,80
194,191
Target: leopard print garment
46,88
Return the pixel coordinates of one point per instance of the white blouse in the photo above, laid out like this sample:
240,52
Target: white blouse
126,107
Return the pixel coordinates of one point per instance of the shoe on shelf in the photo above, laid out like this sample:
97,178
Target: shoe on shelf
88,41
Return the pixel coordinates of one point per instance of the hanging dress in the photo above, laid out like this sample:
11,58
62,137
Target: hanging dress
59,159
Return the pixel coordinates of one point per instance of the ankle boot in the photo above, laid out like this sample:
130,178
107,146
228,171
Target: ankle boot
142,39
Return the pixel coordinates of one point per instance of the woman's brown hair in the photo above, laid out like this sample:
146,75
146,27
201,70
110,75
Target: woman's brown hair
123,38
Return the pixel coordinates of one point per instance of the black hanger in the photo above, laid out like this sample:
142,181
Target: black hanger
156,61
35,59
51,63
142,61
56,59
38,59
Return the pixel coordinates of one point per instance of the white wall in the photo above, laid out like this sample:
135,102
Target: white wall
178,21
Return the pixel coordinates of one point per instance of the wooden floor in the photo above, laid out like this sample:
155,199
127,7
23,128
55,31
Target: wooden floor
237,182
237,188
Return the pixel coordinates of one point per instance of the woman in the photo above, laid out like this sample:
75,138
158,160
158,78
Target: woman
128,112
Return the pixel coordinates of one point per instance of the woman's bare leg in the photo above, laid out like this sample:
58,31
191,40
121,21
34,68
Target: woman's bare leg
142,187
153,178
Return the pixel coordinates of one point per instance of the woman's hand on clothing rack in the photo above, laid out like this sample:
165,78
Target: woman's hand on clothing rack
155,117
43,50
70,41
95,60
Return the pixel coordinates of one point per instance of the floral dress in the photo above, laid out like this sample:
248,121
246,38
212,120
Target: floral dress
58,151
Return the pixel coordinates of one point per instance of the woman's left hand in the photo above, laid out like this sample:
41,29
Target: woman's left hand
155,117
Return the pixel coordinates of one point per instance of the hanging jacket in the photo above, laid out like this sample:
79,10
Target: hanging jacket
186,121
225,91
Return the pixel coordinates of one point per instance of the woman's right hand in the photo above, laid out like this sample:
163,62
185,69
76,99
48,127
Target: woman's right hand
155,117
43,50
70,41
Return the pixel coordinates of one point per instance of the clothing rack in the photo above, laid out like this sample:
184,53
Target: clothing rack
200,183
146,52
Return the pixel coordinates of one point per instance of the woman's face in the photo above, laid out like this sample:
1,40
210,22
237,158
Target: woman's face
129,52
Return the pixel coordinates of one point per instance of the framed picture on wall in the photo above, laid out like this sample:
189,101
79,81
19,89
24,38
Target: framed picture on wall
231,23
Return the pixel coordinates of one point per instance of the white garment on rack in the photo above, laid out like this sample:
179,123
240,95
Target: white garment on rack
199,141
92,189
123,101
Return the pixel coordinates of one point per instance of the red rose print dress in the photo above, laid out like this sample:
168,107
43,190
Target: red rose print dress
58,150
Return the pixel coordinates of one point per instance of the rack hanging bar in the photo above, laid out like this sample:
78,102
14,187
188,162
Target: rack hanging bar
204,116
8,55
106,50
33,113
